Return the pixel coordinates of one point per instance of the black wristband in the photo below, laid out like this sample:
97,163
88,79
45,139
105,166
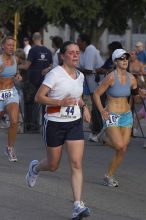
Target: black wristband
135,91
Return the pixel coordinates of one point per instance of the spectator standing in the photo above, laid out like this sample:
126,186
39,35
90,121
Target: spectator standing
38,63
108,65
140,52
27,46
57,42
136,67
89,62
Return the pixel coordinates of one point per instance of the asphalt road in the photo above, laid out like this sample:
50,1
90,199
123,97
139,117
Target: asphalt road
51,198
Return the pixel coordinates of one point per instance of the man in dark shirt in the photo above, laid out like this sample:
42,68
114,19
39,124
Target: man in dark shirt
38,63
39,59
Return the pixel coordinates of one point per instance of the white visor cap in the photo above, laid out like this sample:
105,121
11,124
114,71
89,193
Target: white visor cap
118,53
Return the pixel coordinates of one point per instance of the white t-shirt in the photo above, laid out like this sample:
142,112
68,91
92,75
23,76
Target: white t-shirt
55,58
26,49
91,59
62,85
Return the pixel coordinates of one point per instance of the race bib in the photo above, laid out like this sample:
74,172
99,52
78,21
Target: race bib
5,94
70,112
113,120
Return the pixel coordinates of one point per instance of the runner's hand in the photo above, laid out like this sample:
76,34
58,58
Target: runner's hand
18,77
69,101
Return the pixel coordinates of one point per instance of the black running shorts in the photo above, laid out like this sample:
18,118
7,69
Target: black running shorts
56,133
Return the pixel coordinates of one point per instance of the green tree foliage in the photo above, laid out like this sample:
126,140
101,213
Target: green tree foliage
81,15
87,15
32,17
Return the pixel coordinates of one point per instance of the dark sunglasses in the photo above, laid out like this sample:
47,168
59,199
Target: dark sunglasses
123,58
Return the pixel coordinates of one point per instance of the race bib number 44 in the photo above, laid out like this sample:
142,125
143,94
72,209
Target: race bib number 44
5,94
70,112
113,120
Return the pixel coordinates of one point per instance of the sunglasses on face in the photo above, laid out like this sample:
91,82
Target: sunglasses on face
123,58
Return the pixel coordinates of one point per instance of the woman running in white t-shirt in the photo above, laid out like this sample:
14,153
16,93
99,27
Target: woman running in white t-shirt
61,91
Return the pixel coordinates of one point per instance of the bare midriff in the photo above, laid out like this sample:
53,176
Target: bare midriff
117,105
6,83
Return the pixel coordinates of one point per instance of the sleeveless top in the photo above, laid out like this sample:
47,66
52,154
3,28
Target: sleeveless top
118,89
8,71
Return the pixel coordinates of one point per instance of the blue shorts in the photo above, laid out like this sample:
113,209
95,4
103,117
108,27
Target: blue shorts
56,133
13,99
120,120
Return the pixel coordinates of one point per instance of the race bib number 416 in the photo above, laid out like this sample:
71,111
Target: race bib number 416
70,112
113,120
5,94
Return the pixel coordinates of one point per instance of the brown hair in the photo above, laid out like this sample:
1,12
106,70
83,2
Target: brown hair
65,45
7,38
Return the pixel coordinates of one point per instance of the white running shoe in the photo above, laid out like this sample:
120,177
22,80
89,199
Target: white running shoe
80,211
110,181
11,154
92,137
31,177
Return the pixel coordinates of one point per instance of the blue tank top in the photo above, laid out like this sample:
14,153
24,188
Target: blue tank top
9,71
118,89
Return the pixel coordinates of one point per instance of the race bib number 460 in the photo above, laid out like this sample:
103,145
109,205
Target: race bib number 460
113,120
5,94
70,112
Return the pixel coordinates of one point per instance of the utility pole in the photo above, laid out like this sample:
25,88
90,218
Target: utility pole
16,27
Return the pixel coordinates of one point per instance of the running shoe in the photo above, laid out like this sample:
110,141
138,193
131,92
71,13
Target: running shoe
92,137
31,177
80,211
11,154
110,181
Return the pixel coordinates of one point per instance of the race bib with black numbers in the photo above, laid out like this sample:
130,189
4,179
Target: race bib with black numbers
5,94
70,112
113,120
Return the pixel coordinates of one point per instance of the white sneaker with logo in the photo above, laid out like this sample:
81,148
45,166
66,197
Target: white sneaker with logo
80,211
31,177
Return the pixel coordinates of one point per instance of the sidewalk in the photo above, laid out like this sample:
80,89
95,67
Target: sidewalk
51,198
